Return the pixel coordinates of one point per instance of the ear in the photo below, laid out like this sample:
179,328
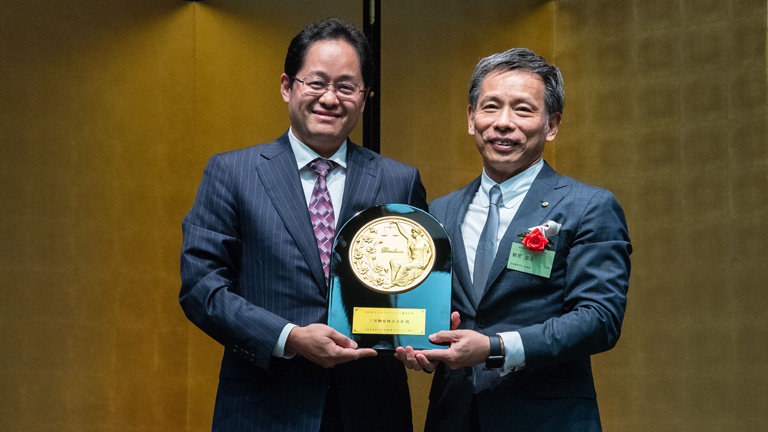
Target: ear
470,120
285,87
554,125
366,95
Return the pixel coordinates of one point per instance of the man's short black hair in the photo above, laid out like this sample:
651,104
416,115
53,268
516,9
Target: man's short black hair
331,28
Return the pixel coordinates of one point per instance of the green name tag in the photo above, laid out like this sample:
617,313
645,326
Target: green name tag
535,263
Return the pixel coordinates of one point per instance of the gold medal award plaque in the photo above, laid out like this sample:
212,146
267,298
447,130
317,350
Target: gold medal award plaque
390,278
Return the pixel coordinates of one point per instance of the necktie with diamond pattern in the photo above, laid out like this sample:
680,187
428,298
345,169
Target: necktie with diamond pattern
321,212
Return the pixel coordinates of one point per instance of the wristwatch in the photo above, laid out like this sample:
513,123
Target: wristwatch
495,358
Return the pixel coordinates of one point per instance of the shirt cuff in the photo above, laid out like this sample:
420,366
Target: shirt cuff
279,350
514,354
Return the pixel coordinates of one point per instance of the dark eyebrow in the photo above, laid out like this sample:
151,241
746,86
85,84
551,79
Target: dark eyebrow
493,98
324,75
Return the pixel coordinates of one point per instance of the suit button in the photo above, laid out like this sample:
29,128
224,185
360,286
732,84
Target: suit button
480,323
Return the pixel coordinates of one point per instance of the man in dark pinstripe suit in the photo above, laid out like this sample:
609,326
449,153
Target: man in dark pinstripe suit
252,276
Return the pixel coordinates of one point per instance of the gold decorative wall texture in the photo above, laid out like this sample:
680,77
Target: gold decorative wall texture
95,102
109,110
670,100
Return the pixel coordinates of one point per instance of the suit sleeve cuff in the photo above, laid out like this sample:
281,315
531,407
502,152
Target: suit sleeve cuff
514,354
279,350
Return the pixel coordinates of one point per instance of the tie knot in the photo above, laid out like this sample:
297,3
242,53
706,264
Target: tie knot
322,166
495,195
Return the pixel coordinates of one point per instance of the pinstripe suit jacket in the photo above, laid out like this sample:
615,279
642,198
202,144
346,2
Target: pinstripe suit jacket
250,265
562,320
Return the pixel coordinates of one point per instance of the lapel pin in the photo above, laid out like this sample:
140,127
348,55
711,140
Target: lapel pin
544,203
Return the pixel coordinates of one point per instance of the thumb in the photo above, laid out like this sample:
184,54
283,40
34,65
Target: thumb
342,340
455,320
441,337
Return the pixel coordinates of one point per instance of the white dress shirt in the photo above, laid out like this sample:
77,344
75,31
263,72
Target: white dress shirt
513,192
335,184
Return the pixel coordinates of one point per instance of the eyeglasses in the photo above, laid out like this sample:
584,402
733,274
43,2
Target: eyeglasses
316,86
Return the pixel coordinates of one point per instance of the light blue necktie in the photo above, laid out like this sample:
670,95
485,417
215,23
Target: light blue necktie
486,247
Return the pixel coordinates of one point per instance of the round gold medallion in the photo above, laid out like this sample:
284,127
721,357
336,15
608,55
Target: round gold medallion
392,254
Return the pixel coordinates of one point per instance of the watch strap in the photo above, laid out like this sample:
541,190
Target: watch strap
495,358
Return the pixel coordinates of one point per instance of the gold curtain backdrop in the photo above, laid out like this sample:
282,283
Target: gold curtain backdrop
109,110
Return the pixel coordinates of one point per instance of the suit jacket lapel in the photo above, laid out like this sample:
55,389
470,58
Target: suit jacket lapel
361,185
457,210
280,177
545,188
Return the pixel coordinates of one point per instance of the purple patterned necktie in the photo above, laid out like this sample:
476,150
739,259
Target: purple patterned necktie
321,212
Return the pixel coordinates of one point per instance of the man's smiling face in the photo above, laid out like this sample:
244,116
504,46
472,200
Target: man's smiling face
324,122
510,123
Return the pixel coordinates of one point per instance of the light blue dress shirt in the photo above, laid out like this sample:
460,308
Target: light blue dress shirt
513,192
335,184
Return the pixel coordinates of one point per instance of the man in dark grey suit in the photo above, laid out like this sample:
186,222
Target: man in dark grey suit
541,269
255,255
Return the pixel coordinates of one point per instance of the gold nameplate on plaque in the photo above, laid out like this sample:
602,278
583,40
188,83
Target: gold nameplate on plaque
368,320
392,254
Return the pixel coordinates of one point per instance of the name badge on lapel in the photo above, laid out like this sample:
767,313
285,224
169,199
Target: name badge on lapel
536,263
534,255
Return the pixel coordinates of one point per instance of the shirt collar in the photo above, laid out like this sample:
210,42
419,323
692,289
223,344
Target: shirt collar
512,188
304,155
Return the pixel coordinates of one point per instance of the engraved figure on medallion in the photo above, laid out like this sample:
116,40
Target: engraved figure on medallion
404,272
